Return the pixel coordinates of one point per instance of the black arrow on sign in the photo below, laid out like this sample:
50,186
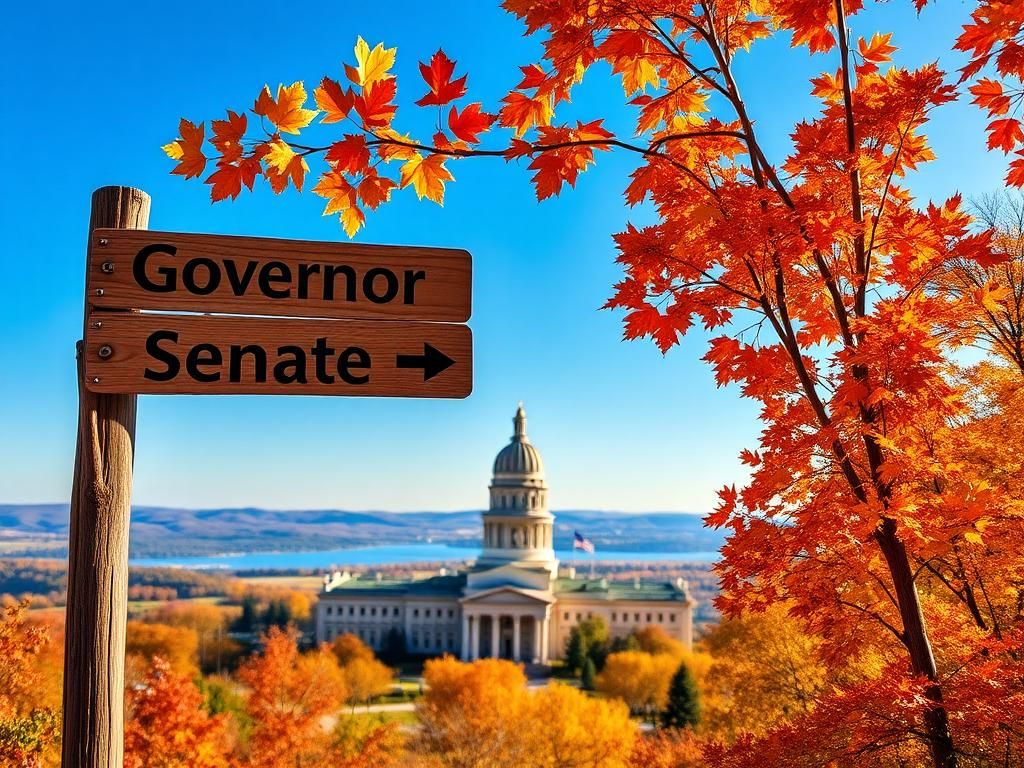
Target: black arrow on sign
432,361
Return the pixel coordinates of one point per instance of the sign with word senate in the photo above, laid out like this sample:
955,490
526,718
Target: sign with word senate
388,318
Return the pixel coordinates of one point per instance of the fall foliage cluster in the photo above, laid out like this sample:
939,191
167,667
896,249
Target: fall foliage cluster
883,509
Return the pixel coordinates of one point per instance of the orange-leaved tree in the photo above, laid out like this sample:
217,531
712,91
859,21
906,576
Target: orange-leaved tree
814,268
29,724
168,726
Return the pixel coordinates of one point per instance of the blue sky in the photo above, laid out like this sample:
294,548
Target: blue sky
94,89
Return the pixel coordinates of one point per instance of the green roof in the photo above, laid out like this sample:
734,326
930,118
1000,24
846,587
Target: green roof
435,586
598,589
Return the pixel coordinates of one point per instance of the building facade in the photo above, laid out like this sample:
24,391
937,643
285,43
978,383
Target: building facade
514,602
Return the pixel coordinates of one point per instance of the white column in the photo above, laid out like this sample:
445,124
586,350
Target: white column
495,625
474,638
538,640
464,648
515,638
544,640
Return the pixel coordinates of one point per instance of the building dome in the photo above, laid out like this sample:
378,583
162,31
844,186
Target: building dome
517,524
519,457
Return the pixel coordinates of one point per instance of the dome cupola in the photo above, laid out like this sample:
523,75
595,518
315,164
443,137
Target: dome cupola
518,525
519,457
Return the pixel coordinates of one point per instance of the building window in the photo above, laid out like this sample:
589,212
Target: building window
451,613
636,617
373,637
415,639
615,617
661,617
648,618
395,612
329,610
672,617
578,617
362,610
566,616
373,611
426,613
415,613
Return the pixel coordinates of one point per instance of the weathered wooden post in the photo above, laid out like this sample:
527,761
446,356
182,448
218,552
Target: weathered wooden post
93,734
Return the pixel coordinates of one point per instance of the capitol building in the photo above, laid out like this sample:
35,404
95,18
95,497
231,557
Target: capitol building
514,602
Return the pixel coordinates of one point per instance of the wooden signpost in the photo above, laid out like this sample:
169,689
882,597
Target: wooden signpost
169,313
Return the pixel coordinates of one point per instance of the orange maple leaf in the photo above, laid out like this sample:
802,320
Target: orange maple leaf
438,76
286,112
427,176
188,149
1005,134
334,101
350,154
471,122
522,112
374,103
375,190
341,199
227,136
228,179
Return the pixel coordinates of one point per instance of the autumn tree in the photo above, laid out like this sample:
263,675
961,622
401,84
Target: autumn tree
811,271
482,715
764,672
215,649
991,296
638,679
168,727
29,730
145,641
668,748
289,694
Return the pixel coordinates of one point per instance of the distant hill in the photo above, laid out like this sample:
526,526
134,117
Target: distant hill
169,532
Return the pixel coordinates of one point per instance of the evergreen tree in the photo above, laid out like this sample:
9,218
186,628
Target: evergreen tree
247,621
587,640
589,673
575,651
683,707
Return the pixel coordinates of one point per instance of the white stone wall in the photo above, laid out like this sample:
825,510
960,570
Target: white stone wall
430,625
622,618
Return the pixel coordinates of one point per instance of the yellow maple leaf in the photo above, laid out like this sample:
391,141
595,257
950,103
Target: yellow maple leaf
173,150
341,199
283,164
637,73
973,536
373,65
427,176
286,112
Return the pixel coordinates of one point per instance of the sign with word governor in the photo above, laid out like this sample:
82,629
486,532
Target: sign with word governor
140,269
199,354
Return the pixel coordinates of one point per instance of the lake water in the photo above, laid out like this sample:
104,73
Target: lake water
398,553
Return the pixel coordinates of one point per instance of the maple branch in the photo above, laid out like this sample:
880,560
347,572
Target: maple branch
678,52
881,620
851,147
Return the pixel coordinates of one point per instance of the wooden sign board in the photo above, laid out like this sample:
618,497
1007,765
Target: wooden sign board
219,355
141,269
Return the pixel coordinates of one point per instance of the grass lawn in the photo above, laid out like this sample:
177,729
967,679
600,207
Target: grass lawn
382,718
298,583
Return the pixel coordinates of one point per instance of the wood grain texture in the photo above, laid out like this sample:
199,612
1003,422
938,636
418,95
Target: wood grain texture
251,269
97,601
123,339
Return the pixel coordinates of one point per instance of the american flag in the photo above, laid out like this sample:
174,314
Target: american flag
579,541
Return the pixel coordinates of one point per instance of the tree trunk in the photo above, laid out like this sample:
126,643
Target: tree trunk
97,600
916,637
